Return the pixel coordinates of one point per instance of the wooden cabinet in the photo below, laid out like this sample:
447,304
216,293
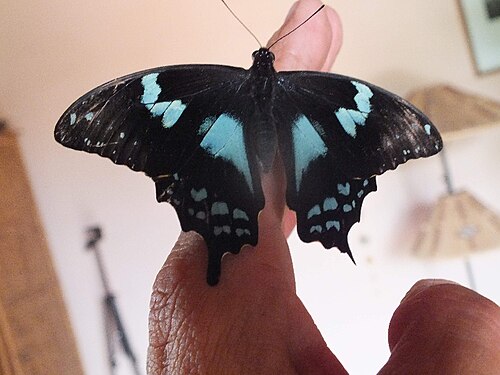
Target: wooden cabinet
35,333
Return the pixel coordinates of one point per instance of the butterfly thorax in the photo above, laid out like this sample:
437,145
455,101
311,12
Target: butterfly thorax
263,60
263,76
263,127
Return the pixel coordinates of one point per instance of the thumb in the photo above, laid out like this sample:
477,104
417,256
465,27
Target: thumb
444,328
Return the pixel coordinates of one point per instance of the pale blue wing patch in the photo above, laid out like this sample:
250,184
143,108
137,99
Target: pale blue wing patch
218,230
363,97
350,119
225,140
344,189
240,214
169,111
347,208
218,217
427,128
330,204
307,146
159,108
206,124
198,195
151,90
219,208
316,210
330,213
333,224
240,232
316,228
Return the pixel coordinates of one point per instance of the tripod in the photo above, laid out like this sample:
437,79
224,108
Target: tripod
115,331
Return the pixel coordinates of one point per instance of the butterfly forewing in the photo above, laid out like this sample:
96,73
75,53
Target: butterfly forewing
366,129
152,120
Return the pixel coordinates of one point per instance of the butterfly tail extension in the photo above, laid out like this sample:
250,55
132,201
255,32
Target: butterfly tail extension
214,265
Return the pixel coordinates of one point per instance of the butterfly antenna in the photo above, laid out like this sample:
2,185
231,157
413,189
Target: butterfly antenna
296,27
241,22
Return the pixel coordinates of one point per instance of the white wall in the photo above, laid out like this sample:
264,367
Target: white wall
53,51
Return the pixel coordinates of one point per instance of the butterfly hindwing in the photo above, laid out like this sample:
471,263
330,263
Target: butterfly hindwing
327,207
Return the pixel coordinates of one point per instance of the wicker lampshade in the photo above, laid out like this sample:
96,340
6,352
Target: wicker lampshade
459,224
454,112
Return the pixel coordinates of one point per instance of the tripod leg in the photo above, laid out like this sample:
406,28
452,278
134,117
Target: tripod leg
109,329
113,309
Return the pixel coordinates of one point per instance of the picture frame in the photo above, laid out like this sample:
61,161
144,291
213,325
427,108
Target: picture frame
482,21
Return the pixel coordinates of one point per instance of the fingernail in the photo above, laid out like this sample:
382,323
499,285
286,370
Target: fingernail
422,285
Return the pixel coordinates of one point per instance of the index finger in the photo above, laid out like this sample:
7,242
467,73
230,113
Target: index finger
312,47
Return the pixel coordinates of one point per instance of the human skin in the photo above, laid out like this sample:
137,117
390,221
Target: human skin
252,322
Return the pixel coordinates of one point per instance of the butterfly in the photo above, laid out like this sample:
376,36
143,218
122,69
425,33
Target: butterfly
206,133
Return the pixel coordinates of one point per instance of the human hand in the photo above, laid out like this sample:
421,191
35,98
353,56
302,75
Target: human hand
252,322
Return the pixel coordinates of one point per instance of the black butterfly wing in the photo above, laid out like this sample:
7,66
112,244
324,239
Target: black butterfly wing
218,192
148,118
182,126
340,132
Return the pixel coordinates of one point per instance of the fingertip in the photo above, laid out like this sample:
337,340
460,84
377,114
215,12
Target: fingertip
438,322
315,45
426,298
422,285
337,37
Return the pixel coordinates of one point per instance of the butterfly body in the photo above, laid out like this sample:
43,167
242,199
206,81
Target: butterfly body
206,133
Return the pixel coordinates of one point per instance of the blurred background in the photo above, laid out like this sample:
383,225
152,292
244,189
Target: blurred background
51,52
